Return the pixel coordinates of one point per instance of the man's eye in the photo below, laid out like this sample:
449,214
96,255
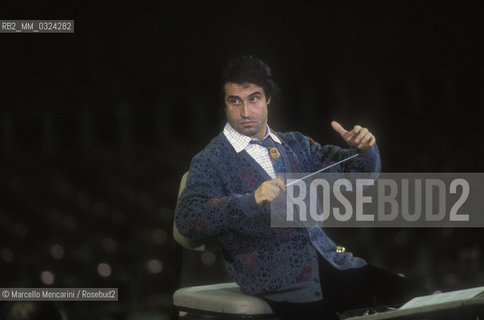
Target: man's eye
254,99
235,101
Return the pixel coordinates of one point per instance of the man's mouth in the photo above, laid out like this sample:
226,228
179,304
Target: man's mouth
247,123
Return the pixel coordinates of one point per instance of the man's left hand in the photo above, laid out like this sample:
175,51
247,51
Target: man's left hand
358,137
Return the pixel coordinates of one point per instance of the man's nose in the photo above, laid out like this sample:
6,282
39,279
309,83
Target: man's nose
244,112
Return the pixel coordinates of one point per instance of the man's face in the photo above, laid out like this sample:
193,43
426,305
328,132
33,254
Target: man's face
246,109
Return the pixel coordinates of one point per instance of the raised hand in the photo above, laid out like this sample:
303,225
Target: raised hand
358,137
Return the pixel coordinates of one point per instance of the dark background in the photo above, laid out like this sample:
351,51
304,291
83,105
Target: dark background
97,127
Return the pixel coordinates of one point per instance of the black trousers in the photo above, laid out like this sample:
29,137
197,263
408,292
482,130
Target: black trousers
344,290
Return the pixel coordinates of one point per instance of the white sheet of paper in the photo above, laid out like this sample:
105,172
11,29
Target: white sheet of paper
443,297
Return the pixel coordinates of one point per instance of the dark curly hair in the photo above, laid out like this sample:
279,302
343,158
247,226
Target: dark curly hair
249,69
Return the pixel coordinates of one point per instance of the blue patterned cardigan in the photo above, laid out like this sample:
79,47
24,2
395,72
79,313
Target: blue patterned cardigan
218,202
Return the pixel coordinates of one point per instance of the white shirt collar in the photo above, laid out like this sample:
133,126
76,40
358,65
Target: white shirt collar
240,141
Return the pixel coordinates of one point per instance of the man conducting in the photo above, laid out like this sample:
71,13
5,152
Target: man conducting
298,271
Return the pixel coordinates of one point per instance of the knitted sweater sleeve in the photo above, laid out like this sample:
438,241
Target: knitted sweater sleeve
204,209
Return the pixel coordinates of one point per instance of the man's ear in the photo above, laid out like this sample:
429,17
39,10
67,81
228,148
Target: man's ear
269,100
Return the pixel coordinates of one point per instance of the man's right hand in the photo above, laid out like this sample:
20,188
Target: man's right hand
269,190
